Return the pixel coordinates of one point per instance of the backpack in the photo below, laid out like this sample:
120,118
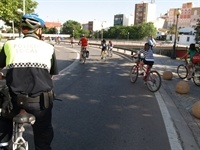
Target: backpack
196,58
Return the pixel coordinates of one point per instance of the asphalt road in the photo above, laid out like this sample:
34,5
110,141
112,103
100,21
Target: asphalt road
101,109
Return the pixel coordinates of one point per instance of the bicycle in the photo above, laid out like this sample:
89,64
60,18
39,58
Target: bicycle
151,77
22,118
182,72
84,55
103,55
17,141
109,51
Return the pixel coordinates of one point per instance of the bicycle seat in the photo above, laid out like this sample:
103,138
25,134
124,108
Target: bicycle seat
24,117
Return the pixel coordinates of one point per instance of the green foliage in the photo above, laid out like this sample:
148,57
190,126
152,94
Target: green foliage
172,29
135,32
71,27
8,10
50,31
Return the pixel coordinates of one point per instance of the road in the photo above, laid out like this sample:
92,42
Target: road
101,109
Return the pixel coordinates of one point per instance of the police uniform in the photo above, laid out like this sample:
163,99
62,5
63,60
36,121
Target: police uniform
30,63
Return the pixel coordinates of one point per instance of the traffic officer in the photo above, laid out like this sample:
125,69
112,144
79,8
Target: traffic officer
30,64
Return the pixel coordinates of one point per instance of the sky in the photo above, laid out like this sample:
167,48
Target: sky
83,11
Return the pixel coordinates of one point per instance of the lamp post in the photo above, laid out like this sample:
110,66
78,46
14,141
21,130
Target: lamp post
19,11
13,28
178,12
128,36
24,7
102,29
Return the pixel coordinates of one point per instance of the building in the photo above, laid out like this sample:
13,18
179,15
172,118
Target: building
145,12
188,17
95,25
56,25
130,20
119,19
186,36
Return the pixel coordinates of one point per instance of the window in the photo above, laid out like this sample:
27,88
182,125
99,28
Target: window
188,39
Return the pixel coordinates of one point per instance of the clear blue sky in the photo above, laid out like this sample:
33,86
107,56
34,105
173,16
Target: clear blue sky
103,10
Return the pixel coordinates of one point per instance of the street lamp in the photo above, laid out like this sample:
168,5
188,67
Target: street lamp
178,12
128,36
24,8
13,28
102,29
19,11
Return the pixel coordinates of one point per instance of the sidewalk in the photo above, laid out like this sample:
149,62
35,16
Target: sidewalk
180,105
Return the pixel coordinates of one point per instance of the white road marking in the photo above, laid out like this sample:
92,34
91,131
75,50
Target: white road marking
68,68
171,131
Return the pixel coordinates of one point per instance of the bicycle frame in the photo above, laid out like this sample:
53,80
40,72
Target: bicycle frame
145,68
83,54
182,71
22,118
103,55
151,77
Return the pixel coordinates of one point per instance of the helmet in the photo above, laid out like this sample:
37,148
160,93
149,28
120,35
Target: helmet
83,35
32,21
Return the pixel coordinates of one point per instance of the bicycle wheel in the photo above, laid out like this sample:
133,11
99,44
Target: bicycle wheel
196,78
84,57
134,73
182,71
153,81
104,56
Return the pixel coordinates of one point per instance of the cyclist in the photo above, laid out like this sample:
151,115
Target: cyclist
151,41
191,51
110,47
72,41
84,43
30,65
103,47
146,59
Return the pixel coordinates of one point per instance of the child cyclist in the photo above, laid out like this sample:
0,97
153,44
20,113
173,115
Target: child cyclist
191,51
147,59
103,47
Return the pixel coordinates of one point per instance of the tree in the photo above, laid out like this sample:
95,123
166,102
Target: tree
50,30
172,29
74,28
197,28
71,27
135,32
8,10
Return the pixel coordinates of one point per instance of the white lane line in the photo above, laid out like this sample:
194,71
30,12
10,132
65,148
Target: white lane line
171,132
65,70
68,68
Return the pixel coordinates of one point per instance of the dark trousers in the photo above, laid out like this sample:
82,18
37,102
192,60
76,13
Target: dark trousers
42,128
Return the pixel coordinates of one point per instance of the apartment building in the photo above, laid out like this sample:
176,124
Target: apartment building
145,12
120,20
188,17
